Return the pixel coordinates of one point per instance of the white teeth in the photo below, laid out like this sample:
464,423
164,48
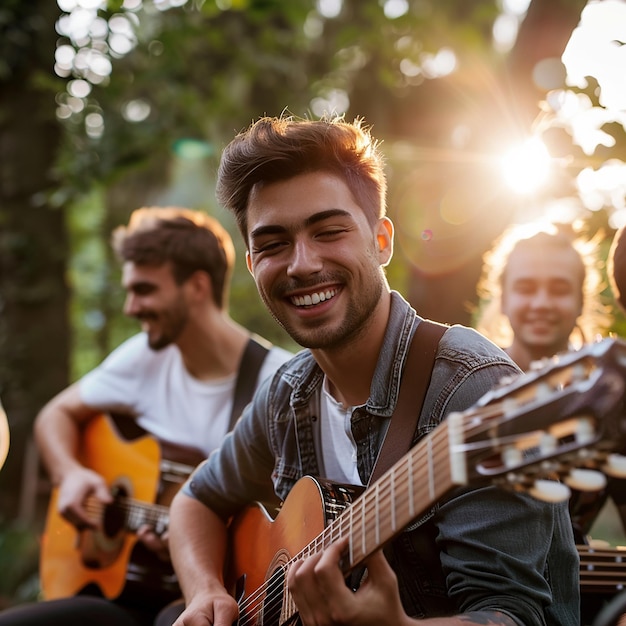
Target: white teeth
315,298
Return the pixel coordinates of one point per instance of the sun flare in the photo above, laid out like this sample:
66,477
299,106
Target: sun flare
526,167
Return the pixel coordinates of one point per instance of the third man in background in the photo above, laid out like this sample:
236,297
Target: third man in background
540,290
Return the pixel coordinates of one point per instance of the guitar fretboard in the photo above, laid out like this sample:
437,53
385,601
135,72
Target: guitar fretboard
133,512
403,493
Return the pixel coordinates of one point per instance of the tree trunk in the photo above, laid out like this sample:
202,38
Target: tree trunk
34,329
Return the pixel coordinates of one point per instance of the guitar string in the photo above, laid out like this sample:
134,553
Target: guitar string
331,533
344,524
602,567
474,426
326,537
134,510
618,584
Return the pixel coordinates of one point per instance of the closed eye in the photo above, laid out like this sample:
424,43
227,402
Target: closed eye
268,246
332,232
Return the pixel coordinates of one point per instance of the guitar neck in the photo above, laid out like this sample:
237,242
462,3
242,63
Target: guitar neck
602,570
130,514
401,495
509,426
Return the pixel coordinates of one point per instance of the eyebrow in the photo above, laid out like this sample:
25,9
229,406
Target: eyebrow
271,229
138,284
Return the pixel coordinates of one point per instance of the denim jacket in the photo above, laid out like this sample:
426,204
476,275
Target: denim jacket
480,548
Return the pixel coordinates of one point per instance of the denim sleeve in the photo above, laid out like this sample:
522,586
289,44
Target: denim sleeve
506,551
239,472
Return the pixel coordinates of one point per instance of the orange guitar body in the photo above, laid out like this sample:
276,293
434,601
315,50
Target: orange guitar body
70,559
261,546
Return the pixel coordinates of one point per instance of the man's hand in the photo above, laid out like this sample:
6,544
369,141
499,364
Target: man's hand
214,607
159,544
77,493
322,597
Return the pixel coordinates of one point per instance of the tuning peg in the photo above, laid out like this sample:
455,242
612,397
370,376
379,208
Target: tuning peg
550,491
538,364
543,391
547,443
506,380
586,480
579,371
615,466
585,430
512,457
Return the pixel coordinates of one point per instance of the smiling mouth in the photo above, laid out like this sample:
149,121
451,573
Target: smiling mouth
313,298
540,322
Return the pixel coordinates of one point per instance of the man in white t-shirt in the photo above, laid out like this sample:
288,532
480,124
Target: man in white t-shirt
181,379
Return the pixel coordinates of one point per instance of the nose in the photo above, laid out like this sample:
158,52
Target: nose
131,304
304,260
541,299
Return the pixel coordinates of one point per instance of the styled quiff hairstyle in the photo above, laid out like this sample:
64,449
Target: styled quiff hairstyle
274,149
189,240
489,319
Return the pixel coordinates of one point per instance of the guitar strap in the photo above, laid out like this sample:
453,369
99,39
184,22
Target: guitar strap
415,380
251,362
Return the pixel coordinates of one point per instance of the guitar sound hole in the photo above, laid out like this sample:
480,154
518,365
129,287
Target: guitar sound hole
114,516
273,602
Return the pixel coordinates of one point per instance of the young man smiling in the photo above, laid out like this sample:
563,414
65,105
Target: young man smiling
309,199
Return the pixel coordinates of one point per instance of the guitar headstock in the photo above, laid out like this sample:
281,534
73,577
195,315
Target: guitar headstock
564,420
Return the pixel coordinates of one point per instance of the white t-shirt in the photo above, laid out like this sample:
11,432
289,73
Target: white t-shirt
338,447
169,403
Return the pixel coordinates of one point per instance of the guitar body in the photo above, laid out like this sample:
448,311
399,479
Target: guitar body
70,560
261,546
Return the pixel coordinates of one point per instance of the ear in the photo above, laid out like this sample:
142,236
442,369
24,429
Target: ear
384,239
200,285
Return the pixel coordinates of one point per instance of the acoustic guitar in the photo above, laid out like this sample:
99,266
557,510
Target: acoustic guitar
142,482
560,424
